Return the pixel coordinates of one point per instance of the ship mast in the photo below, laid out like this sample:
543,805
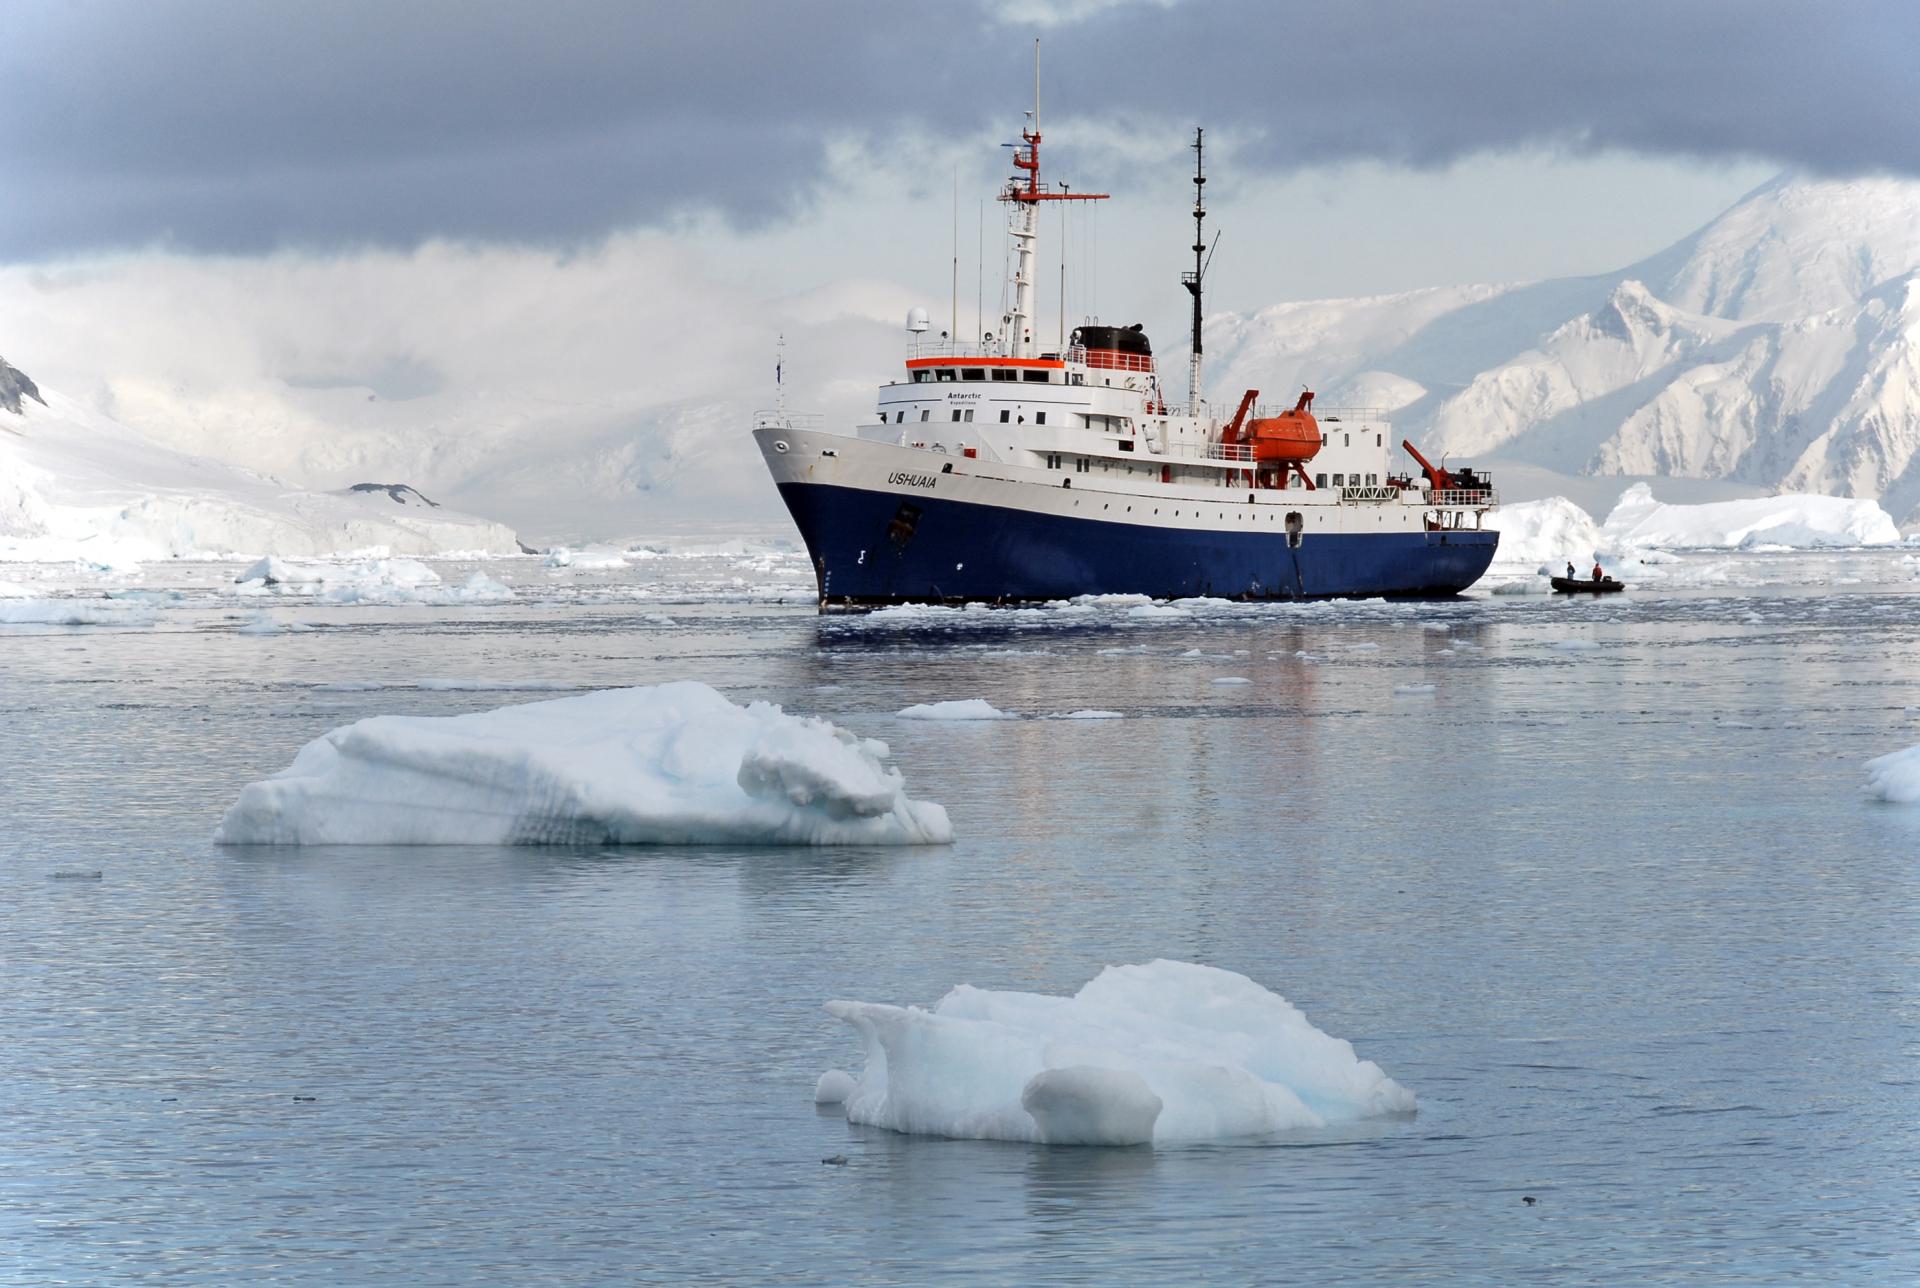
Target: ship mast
1196,280
1027,194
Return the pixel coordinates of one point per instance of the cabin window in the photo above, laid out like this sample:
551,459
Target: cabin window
1346,440
922,377
1379,440
1005,415
1373,480
1126,444
1001,373
1323,440
1034,377
1079,379
1039,418
943,374
956,413
1053,460
1319,480
899,417
1081,466
968,417
1339,480
926,413
973,373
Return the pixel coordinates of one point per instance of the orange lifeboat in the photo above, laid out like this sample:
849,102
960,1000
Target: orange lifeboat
1287,439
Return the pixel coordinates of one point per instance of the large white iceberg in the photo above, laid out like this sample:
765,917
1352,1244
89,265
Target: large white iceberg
1164,1053
1795,519
1895,776
1553,533
672,764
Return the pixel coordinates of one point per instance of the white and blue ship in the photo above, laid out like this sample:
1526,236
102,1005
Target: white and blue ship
1000,473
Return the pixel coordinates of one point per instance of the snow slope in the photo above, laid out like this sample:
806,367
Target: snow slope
76,484
1778,346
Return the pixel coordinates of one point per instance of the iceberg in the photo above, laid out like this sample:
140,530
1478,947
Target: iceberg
1794,520
671,764
1163,1053
1895,777
1550,533
956,709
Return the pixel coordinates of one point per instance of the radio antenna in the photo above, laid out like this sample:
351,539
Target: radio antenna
1195,281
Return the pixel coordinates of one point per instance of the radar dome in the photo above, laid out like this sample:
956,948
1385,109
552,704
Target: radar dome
917,321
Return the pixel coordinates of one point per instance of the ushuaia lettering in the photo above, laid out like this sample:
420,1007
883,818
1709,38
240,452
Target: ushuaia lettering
911,480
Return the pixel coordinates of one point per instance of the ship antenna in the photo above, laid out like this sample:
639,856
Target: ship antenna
1026,192
779,377
1196,280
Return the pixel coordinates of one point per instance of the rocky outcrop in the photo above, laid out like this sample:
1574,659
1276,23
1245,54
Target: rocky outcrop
15,385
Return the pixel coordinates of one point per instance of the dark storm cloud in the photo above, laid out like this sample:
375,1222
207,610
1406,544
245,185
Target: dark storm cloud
240,125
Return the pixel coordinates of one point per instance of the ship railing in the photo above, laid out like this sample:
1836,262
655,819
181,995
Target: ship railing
1109,359
1211,451
957,349
775,418
1371,495
1457,497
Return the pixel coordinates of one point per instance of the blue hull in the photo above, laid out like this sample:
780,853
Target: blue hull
870,548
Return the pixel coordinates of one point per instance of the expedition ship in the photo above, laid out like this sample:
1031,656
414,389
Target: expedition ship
1001,473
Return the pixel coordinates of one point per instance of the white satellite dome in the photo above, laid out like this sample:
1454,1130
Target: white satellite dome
917,320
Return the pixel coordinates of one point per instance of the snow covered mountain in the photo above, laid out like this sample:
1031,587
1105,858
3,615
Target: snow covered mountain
1778,346
76,484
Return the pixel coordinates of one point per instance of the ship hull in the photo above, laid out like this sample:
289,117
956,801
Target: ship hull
952,551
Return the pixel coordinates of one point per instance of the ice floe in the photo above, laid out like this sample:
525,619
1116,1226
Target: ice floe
72,612
1162,1053
1089,714
956,709
671,764
1895,776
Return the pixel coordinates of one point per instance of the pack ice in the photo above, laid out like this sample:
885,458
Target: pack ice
671,764
1165,1053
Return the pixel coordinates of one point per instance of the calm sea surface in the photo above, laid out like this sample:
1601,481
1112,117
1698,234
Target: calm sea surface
1609,898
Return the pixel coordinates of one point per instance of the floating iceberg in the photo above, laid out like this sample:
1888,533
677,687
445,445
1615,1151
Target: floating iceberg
1797,520
1163,1053
673,764
958,709
1550,533
1895,777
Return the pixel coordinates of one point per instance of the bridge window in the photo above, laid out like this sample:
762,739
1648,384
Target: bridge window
921,377
973,373
943,374
1001,373
1035,377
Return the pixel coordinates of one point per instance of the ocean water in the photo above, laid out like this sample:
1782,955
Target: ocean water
1609,898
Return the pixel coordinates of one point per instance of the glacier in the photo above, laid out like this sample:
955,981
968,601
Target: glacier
671,764
1163,1053
75,484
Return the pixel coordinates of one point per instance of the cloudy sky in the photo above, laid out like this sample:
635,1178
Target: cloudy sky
354,182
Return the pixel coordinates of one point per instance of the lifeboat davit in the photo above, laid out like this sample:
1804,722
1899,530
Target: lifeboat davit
1289,438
